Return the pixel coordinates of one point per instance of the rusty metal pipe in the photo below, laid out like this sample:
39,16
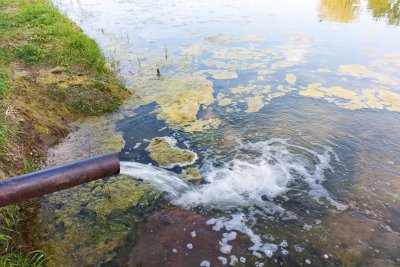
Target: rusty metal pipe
37,184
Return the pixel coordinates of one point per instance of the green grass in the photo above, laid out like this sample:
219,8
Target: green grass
10,253
41,24
34,33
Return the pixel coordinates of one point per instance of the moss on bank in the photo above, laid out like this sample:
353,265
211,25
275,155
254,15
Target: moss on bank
50,75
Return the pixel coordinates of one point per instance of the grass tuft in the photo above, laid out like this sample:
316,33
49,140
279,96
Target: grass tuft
29,53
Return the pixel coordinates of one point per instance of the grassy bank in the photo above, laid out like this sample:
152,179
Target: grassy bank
50,75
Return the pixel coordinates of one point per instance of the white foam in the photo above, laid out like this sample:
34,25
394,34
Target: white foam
238,223
234,260
223,260
261,169
205,264
193,234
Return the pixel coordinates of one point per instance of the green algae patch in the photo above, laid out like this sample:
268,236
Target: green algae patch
180,98
291,79
163,150
112,209
118,196
360,71
345,98
254,104
242,89
192,174
202,125
220,39
194,50
224,102
222,74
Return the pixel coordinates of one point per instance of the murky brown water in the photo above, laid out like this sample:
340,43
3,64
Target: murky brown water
293,108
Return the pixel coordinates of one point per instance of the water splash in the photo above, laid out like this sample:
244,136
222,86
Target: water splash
260,171
159,178
246,184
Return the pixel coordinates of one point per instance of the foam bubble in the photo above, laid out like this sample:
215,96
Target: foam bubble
223,260
238,223
205,264
234,260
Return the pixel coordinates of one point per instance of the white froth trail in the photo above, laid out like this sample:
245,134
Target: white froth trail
259,170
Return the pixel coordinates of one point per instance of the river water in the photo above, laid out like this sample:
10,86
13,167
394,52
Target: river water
292,108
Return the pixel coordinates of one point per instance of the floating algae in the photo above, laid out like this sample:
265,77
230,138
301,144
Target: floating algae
214,63
202,125
224,102
242,89
180,98
359,71
220,39
191,174
163,150
345,98
88,240
222,74
254,103
291,78
194,50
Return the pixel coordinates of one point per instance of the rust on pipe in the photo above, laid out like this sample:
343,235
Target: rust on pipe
37,184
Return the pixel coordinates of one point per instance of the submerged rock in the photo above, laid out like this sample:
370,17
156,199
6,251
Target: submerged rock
163,150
